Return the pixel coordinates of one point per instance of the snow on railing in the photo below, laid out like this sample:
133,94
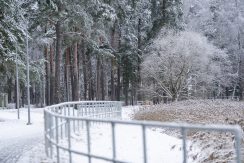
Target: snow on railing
63,120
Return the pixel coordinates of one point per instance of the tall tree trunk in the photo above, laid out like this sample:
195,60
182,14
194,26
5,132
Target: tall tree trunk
72,81
240,67
91,90
138,82
241,57
52,75
58,63
112,80
115,47
126,92
119,69
118,82
133,92
23,97
106,87
98,90
126,80
33,97
84,67
67,73
102,80
75,73
10,90
16,94
47,77
241,76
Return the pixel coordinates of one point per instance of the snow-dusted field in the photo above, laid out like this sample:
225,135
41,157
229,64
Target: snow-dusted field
24,144
204,146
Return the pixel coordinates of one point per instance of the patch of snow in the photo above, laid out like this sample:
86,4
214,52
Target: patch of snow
128,145
23,143
16,137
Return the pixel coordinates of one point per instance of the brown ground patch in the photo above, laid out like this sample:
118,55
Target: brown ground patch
205,146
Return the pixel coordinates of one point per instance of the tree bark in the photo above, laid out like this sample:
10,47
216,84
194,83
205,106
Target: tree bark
112,80
47,69
10,90
115,47
52,75
102,80
58,63
98,90
119,69
75,73
138,83
126,80
84,67
126,94
67,73
90,79
118,82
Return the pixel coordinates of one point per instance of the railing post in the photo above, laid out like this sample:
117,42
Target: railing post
45,132
51,134
69,140
184,150
120,109
144,141
113,141
105,112
57,138
65,110
68,110
61,125
238,146
74,120
88,140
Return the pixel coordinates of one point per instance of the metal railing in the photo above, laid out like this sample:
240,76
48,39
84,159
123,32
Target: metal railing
233,98
63,120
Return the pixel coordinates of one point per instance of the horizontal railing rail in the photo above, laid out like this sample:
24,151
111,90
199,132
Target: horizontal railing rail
234,98
63,120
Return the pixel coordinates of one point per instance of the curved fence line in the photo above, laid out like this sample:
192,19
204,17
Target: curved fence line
63,121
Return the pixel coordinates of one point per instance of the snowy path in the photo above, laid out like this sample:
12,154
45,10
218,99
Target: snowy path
16,137
161,148
13,149
24,144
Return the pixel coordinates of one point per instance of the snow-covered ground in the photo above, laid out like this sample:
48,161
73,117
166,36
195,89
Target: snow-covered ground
17,138
160,147
24,143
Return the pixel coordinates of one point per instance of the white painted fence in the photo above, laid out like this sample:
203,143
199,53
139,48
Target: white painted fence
63,119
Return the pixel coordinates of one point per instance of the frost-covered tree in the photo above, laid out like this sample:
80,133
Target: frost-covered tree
13,31
142,20
180,61
11,27
221,22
